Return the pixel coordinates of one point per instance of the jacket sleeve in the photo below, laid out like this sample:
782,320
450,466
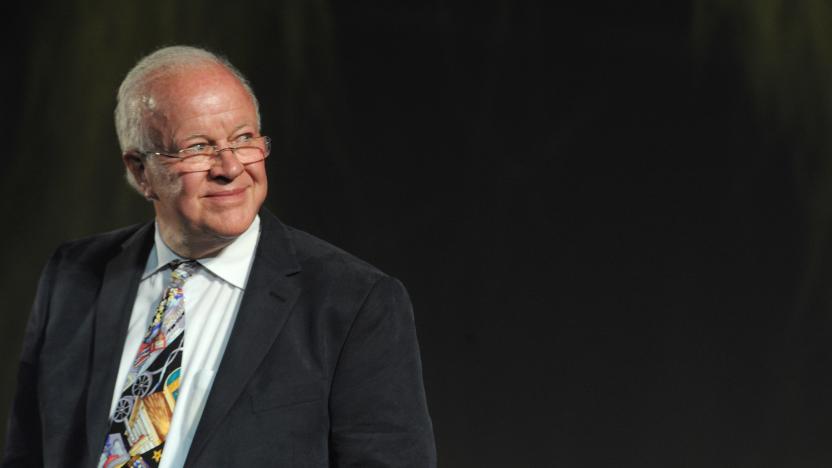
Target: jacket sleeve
379,415
23,431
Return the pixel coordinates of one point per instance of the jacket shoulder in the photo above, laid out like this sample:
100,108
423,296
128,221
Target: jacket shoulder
319,256
97,249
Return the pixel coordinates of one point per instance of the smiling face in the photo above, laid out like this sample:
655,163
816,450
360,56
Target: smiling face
199,213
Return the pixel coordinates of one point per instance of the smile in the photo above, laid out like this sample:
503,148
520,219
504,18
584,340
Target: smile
226,195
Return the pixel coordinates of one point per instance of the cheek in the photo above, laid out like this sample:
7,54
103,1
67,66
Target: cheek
169,187
258,176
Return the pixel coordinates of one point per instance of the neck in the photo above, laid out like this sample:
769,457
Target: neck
192,246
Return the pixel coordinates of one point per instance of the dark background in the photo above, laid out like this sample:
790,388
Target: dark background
613,219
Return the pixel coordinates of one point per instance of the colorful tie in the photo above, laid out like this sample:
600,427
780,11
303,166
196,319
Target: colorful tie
140,422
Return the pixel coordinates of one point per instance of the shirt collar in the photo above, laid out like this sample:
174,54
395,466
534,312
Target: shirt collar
231,264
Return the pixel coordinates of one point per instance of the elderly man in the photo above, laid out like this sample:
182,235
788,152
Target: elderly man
216,336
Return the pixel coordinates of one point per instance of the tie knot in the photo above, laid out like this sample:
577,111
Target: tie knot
182,270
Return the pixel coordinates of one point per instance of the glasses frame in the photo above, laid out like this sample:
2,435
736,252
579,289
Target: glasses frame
267,144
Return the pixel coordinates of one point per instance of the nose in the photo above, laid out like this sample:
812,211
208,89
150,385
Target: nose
227,166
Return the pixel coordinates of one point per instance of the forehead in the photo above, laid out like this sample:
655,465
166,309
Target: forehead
195,91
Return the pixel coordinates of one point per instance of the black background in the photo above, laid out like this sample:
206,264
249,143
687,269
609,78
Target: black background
612,218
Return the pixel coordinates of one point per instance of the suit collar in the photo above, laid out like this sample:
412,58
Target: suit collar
112,315
267,302
276,246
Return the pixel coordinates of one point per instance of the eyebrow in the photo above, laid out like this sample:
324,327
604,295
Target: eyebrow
203,136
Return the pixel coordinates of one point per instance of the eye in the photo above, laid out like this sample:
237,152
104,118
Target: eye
244,138
196,148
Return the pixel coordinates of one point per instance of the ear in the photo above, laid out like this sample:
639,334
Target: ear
135,163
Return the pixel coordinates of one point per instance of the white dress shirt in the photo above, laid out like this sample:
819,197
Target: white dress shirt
212,299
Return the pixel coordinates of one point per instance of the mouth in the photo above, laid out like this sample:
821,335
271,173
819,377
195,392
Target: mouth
222,195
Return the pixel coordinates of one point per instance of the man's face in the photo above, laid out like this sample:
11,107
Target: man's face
202,105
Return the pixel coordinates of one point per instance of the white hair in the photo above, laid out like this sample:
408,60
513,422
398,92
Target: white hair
134,97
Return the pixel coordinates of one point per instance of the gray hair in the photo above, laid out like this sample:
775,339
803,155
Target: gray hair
134,97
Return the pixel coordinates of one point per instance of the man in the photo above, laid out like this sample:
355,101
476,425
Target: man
216,336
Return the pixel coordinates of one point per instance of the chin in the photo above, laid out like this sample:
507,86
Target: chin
229,231
229,227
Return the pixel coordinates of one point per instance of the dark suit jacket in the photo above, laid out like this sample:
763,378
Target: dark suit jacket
322,367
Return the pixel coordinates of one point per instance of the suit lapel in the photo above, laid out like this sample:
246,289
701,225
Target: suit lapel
270,293
112,317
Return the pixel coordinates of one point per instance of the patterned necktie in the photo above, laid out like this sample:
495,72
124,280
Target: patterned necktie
140,422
